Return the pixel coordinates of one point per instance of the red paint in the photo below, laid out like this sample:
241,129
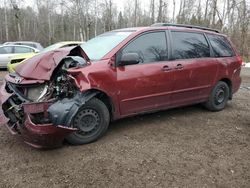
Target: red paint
132,89
41,66
43,136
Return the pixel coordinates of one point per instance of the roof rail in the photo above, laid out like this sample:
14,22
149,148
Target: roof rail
184,25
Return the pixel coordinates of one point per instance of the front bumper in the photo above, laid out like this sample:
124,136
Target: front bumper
36,135
43,135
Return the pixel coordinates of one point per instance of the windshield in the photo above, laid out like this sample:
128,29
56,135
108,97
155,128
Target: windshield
99,46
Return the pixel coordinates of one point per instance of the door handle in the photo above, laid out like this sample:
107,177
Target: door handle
166,68
179,66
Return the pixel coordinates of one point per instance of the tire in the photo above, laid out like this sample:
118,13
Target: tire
218,97
92,121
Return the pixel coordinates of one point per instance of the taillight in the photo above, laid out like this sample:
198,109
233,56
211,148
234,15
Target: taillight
239,60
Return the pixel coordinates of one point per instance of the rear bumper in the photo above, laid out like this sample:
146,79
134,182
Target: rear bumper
236,80
236,85
36,135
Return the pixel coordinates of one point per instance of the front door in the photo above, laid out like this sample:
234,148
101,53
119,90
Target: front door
145,86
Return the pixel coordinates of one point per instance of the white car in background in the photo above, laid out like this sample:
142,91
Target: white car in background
8,51
26,43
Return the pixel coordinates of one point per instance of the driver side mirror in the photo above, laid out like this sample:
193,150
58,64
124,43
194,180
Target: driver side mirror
129,59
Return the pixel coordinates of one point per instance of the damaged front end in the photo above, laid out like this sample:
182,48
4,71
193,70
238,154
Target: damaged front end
40,103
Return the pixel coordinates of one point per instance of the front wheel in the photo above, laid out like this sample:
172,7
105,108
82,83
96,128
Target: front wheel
91,120
218,97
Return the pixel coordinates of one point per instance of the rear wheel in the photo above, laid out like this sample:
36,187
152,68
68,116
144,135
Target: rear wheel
219,97
91,120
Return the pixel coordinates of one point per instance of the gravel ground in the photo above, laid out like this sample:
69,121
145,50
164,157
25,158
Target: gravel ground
184,147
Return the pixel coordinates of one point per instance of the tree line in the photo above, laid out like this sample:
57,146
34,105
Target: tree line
59,20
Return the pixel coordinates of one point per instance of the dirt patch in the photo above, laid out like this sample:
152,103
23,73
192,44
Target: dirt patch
184,147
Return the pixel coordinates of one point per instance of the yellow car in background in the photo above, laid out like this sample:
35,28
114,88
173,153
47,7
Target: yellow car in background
16,60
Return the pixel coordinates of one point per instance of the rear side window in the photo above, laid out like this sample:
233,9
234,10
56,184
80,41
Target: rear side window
20,49
221,46
151,47
189,45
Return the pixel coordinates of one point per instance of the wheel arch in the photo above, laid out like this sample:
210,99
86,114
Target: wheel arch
229,83
104,97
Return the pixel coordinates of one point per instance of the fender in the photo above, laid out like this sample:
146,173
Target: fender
63,111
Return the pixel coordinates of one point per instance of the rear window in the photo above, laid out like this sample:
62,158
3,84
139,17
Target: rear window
31,45
27,44
221,46
189,45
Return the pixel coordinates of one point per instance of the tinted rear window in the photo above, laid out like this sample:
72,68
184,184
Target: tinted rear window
27,44
31,45
189,45
221,46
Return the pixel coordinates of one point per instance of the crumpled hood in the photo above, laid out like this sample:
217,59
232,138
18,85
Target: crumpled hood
41,66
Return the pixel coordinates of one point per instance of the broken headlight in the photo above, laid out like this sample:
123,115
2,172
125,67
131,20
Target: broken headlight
37,93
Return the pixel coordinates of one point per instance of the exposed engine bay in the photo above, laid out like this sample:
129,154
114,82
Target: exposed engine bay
54,101
42,99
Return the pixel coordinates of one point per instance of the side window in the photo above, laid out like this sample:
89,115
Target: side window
6,50
20,49
2,51
151,47
189,45
221,46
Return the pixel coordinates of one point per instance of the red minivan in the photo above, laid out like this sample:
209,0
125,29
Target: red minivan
74,93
